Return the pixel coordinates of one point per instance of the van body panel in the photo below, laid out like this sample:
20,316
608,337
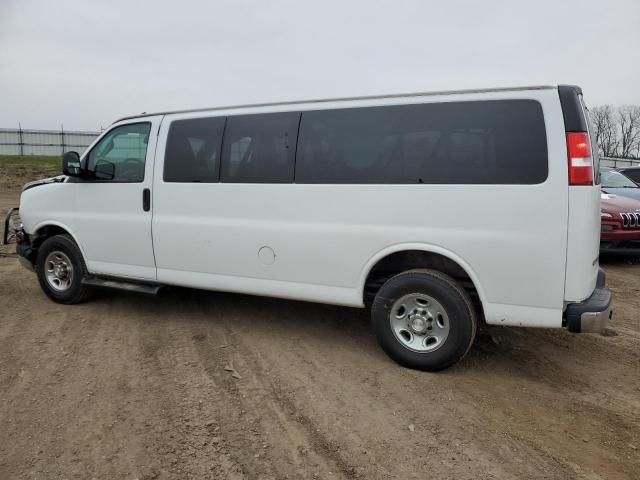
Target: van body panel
334,249
347,297
324,236
51,204
115,232
583,238
404,247
582,256
109,219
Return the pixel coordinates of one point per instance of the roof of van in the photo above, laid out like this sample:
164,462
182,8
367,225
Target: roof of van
342,99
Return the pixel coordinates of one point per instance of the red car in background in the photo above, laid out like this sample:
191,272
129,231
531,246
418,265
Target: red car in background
620,225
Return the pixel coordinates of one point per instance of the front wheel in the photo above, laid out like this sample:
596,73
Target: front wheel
60,269
424,320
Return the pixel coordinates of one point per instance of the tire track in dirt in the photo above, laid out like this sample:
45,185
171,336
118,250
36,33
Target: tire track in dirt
532,410
291,401
189,445
274,439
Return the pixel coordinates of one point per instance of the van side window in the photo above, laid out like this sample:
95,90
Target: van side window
259,148
122,153
193,150
488,142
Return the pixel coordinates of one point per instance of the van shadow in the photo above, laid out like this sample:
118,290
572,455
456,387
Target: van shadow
321,326
619,260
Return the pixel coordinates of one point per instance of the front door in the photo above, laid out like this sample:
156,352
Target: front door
112,223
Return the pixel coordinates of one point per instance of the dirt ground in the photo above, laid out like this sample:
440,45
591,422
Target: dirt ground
212,385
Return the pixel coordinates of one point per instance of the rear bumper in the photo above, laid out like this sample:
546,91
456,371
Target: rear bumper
593,314
624,247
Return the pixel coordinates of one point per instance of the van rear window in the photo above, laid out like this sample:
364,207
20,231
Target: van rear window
479,142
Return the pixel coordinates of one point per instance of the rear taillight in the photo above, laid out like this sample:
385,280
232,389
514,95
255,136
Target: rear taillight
580,161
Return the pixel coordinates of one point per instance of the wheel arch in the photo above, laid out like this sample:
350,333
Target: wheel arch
47,229
426,252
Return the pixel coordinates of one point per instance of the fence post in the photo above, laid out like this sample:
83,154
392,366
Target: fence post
62,137
20,140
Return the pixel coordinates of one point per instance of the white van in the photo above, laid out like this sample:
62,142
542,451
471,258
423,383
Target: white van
435,210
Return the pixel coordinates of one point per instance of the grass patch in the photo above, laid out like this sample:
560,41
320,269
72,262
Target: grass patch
16,170
33,161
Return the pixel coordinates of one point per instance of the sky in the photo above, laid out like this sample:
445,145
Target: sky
84,63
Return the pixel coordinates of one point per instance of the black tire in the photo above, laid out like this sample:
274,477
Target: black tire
452,297
76,292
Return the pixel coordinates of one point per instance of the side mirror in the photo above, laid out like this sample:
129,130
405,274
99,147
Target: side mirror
104,170
71,164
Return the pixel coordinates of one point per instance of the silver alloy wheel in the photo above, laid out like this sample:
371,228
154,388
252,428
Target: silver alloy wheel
58,271
419,322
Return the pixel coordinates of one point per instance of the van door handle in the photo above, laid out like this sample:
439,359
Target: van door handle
146,199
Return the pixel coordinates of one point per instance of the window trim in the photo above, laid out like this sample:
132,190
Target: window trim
85,158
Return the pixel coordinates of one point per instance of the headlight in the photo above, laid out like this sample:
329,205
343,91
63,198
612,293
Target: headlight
605,215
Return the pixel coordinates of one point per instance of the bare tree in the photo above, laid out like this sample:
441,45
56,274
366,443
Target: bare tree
629,121
606,129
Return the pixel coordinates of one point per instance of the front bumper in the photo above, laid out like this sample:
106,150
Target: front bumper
619,241
14,233
10,227
593,314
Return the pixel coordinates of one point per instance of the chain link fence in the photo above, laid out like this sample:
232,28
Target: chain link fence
43,142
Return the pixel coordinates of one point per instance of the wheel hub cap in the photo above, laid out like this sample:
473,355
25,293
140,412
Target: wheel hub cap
419,322
58,271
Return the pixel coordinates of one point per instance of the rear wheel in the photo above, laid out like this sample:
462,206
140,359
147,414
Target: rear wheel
424,320
60,269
